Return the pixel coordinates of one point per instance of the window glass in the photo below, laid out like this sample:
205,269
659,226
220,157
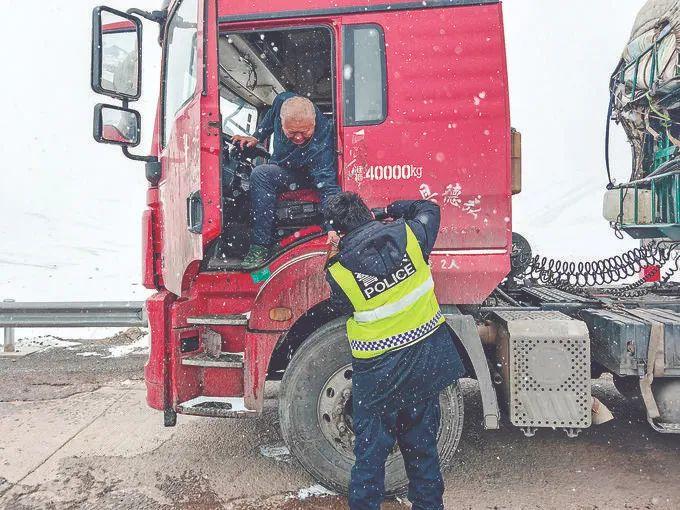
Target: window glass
181,62
364,75
238,117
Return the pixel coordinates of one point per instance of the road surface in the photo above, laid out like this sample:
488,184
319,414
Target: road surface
75,432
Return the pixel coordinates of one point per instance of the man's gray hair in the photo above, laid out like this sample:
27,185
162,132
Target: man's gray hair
298,108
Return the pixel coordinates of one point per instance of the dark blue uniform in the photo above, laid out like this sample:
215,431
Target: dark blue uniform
395,396
312,165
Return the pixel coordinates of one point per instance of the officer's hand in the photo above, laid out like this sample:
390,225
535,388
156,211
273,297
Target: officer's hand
380,213
244,141
333,238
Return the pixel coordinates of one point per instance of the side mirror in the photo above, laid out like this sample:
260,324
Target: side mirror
116,54
116,125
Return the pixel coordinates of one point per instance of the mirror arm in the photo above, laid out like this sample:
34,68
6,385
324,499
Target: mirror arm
136,157
155,16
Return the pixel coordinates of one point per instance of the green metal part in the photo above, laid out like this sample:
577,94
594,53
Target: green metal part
664,188
665,207
665,151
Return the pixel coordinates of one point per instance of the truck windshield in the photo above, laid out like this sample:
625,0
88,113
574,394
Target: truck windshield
258,65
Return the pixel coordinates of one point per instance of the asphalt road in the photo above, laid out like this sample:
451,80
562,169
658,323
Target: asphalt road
75,432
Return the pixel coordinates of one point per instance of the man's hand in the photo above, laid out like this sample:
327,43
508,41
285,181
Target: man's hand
333,239
332,242
244,141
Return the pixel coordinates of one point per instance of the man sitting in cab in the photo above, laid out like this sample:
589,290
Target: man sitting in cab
304,157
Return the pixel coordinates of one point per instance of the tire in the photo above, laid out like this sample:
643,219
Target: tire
667,394
308,398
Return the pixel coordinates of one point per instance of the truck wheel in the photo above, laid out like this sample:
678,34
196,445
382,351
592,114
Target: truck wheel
315,412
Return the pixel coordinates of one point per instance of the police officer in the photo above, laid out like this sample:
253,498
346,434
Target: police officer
403,352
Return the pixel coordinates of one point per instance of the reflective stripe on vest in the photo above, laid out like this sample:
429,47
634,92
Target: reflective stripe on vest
391,308
393,311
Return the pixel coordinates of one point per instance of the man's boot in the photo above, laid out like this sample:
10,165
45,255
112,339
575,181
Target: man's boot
256,257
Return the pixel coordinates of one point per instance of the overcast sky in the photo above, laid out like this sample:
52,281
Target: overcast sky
71,208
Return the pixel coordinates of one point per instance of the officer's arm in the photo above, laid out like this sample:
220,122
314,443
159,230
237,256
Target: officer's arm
422,216
339,302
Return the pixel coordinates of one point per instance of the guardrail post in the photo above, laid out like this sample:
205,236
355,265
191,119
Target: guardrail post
9,334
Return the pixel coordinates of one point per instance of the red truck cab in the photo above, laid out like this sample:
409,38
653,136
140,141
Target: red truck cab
418,94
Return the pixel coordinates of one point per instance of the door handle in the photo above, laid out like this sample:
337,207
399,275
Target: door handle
195,212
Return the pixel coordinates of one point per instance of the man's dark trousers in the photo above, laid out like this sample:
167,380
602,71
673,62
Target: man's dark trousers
414,428
266,183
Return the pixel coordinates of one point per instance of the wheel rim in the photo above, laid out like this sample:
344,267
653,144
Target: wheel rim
334,415
334,411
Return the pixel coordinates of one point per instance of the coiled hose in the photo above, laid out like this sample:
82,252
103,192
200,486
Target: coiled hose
575,276
633,290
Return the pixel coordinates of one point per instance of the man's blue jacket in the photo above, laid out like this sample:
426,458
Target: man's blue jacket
318,157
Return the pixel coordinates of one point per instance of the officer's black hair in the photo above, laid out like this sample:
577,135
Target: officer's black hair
346,211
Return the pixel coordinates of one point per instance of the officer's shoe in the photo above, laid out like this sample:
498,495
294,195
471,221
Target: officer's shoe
256,257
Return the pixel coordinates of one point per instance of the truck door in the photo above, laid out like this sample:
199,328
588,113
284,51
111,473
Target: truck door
189,130
425,115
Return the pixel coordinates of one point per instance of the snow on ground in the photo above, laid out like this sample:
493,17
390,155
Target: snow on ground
102,342
73,258
43,342
89,333
71,207
139,346
279,452
314,491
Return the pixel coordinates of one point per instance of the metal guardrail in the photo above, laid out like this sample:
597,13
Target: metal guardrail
68,315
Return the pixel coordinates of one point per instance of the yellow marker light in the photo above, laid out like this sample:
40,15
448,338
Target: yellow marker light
281,314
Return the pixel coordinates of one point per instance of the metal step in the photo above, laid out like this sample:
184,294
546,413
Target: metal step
666,428
236,319
217,407
224,360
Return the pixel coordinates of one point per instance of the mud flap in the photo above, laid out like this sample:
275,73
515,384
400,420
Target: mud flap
466,329
655,367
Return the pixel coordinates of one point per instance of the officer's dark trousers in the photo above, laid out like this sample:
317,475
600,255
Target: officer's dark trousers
414,428
266,183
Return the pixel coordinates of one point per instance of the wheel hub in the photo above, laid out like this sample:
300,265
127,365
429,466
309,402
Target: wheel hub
335,411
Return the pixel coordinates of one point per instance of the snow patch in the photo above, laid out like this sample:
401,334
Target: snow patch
88,354
279,453
44,342
315,491
85,333
139,346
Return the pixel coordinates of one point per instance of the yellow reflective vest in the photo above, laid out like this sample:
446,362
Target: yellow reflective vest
393,311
